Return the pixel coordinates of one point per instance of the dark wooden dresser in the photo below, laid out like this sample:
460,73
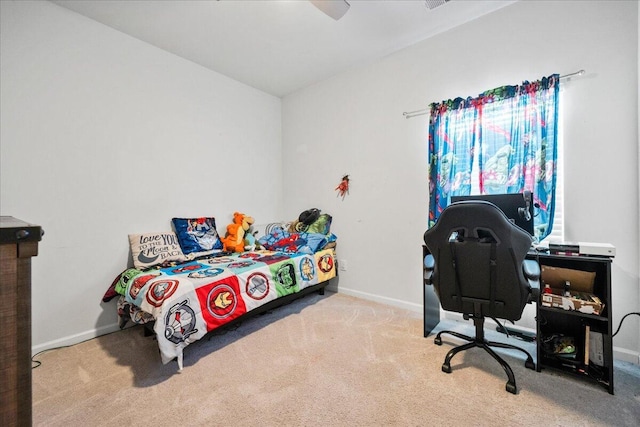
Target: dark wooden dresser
18,244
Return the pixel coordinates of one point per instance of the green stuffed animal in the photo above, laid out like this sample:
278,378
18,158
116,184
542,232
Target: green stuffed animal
250,241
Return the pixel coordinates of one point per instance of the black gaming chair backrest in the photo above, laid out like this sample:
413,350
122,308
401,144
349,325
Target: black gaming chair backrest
468,235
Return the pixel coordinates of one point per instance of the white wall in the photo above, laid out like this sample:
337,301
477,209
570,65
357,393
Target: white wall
353,123
103,135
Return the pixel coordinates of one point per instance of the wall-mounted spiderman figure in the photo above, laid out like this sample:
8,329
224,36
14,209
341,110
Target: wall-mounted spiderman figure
343,188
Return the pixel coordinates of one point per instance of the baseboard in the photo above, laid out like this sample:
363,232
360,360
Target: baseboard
626,355
417,308
74,339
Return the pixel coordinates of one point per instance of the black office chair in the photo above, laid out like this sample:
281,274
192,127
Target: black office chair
478,268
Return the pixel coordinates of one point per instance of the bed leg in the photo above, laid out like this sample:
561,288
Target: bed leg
122,322
180,366
321,291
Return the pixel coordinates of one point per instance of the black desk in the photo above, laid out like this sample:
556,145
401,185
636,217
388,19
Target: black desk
550,321
431,303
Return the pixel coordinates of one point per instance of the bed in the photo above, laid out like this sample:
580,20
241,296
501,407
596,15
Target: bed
187,296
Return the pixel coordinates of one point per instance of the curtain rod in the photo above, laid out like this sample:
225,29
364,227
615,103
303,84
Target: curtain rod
411,114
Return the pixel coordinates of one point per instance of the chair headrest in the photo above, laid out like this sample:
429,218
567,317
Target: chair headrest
477,218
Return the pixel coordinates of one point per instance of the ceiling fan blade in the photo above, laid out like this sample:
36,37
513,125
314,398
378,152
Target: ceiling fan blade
334,8
432,4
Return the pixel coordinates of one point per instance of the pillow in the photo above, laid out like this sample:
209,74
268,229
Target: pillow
284,241
197,235
152,249
266,229
321,225
119,285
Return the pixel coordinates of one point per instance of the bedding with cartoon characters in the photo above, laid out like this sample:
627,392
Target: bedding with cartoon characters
186,295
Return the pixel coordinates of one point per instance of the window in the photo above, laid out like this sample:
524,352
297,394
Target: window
557,232
503,141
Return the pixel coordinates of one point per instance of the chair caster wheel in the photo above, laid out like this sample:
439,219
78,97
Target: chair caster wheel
511,388
529,364
437,341
446,368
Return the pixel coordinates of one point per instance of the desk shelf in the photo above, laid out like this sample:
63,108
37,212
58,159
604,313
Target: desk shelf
553,321
591,317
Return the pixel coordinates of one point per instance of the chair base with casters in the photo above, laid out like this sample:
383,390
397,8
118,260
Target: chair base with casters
480,341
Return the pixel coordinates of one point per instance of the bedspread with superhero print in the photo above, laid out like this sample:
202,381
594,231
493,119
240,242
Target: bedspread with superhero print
188,300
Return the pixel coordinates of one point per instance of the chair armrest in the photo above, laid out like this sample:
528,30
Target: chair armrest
429,263
531,270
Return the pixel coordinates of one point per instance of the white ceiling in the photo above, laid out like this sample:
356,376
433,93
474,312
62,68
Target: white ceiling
279,46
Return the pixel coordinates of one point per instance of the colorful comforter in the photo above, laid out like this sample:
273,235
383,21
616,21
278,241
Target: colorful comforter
190,299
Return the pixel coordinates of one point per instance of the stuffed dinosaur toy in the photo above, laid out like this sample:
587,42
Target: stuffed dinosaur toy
233,241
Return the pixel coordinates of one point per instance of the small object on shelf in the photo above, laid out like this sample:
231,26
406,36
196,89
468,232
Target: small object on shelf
547,289
564,248
596,348
558,345
597,249
587,329
566,292
582,302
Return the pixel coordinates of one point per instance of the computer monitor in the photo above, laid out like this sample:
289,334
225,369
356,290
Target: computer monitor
515,206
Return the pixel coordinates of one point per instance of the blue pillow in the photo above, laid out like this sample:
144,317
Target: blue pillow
197,234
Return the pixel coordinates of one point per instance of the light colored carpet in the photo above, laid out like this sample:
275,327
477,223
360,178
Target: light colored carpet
329,360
